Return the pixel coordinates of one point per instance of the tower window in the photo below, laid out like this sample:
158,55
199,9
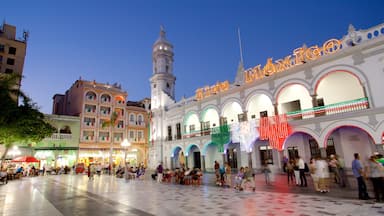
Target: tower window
154,85
12,50
167,85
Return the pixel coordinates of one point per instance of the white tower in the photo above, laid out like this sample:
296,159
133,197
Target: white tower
162,80
162,95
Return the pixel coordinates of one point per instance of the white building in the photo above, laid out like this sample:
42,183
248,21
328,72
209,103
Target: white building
330,94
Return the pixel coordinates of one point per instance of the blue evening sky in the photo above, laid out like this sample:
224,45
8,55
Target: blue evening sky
111,41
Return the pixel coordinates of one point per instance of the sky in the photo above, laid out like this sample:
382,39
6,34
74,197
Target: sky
111,41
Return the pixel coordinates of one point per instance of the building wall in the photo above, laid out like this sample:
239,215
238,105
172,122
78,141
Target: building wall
351,74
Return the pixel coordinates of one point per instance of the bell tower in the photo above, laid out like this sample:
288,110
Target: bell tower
162,80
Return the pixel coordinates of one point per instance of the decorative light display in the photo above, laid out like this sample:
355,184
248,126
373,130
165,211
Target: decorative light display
300,56
244,133
208,91
275,129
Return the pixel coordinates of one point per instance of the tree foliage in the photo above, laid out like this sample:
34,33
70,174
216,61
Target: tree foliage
19,123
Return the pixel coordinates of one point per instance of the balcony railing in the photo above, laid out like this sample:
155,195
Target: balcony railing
58,136
331,109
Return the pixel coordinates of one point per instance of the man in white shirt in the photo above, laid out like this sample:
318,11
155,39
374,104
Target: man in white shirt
303,179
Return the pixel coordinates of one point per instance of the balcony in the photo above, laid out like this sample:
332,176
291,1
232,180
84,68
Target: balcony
58,136
103,139
88,124
331,109
88,138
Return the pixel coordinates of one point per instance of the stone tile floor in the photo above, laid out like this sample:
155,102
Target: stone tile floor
76,195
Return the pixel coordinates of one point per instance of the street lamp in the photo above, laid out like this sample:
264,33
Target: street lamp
125,144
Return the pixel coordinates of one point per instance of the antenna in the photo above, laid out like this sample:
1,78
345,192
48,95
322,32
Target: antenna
241,49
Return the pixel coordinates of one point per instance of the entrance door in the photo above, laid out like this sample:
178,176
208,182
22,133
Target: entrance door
196,160
330,147
232,158
266,155
293,152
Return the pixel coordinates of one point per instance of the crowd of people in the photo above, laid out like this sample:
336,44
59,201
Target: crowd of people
182,175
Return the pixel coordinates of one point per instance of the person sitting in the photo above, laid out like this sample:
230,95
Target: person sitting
4,176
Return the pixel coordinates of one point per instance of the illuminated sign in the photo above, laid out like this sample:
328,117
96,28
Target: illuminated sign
300,56
275,129
207,91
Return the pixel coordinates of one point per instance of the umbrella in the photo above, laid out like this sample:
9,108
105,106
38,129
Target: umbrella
27,159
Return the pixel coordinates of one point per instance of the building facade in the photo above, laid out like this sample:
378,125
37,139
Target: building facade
106,119
12,50
62,147
319,100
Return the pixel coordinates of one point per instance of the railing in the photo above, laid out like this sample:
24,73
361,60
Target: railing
58,136
331,109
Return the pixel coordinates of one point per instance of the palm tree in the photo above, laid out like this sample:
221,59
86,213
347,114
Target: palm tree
111,123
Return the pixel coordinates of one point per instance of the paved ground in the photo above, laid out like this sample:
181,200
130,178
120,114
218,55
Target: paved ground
75,195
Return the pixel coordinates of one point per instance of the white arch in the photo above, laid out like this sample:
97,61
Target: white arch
258,103
289,82
231,108
328,88
293,92
210,114
327,131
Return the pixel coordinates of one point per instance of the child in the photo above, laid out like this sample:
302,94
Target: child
239,178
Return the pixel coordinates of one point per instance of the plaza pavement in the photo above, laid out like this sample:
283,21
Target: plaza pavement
76,195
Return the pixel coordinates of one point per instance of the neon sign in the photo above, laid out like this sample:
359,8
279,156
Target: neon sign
208,91
300,56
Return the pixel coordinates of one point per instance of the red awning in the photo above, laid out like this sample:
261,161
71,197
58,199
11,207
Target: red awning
27,159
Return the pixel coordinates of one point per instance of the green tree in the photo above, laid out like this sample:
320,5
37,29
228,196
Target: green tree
19,123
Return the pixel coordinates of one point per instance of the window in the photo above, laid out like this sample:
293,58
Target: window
2,48
167,85
264,114
154,85
132,117
11,61
178,131
12,50
1,59
191,128
314,148
140,118
242,117
132,134
140,135
8,71
169,137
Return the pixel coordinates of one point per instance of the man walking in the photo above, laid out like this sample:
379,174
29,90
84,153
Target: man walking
358,172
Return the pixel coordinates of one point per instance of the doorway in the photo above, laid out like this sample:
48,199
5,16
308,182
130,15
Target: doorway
232,158
196,160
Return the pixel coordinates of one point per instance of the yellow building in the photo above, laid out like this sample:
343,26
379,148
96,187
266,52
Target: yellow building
12,50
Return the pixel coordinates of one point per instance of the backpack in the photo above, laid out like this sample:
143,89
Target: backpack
306,168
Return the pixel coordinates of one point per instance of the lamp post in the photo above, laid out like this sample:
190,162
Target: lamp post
125,144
